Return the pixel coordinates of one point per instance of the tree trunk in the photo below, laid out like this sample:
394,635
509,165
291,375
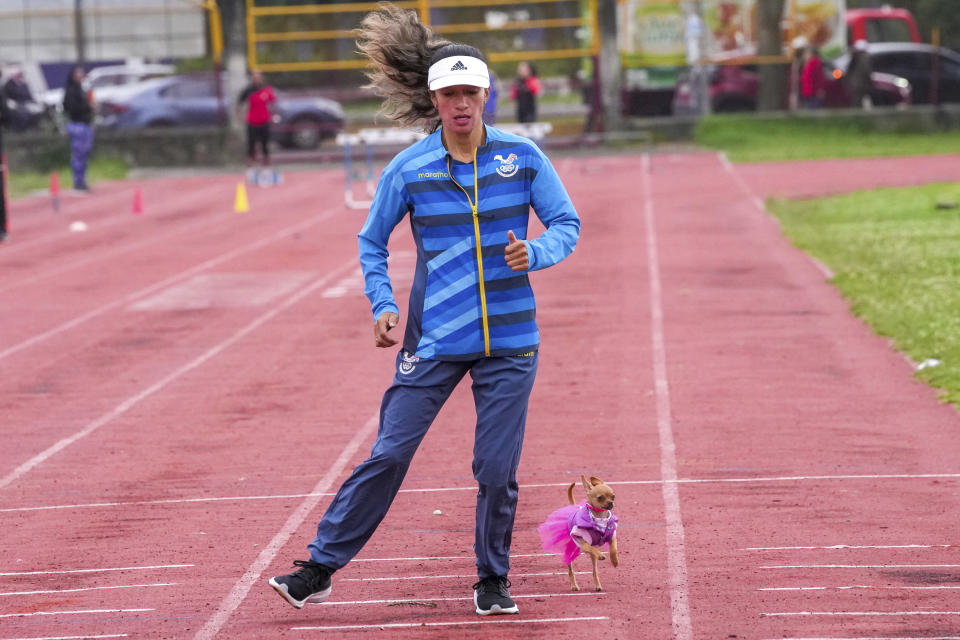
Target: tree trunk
773,78
610,68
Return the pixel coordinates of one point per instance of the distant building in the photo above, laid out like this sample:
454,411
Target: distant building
43,31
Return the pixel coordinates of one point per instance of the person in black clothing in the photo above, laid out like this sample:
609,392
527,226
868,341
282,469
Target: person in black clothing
858,75
16,87
4,123
79,112
526,88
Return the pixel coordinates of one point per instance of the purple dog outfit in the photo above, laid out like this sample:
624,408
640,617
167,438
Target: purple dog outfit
558,530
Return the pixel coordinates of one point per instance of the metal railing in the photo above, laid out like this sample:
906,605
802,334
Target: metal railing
502,18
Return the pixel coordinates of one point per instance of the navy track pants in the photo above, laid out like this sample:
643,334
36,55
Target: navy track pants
501,389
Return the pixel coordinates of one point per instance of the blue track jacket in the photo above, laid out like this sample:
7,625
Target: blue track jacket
465,302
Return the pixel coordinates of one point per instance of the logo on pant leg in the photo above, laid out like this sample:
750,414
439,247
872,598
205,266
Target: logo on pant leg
408,362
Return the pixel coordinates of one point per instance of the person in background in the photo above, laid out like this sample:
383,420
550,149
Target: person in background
4,109
526,88
812,82
490,108
4,123
79,113
259,99
16,87
858,75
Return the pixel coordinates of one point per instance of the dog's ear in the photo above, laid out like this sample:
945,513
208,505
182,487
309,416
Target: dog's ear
586,485
594,481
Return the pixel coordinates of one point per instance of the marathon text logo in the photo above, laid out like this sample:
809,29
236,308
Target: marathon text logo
433,174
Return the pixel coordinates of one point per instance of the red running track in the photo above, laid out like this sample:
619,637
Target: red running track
182,391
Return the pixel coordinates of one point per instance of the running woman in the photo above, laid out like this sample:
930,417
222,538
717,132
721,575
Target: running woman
468,189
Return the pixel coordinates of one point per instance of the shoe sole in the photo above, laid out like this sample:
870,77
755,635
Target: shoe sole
314,598
494,610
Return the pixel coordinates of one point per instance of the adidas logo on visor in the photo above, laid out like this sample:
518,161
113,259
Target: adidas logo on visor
459,66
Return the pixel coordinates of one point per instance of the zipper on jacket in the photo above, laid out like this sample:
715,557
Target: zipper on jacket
474,203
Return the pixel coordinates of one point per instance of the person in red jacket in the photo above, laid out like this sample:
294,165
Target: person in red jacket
259,99
525,89
812,82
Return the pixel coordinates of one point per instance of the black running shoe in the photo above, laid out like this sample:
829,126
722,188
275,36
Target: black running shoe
309,583
491,597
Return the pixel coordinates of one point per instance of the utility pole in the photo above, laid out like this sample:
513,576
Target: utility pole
611,70
78,32
696,43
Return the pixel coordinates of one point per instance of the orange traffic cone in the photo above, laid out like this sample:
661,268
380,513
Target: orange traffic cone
55,190
137,201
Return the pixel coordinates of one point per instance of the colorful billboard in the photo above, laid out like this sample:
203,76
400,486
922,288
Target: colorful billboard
670,32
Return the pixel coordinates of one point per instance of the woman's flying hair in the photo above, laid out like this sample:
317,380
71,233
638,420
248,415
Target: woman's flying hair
401,49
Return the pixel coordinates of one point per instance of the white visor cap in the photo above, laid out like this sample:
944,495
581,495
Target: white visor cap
456,70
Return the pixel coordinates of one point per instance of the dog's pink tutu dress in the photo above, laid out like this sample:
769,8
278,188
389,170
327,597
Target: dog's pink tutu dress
555,532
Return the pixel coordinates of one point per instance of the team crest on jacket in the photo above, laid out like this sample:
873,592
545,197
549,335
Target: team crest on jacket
507,168
409,362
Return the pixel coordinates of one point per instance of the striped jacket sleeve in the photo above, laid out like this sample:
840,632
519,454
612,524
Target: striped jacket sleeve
388,209
555,210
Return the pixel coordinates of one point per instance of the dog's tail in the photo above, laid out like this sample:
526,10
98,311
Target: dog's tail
570,492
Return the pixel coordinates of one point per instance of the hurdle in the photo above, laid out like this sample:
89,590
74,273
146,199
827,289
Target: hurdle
371,138
536,131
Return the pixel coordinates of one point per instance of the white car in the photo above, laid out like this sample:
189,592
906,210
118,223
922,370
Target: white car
105,81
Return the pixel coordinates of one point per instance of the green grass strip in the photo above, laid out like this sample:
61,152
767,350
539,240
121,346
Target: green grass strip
748,139
894,253
23,183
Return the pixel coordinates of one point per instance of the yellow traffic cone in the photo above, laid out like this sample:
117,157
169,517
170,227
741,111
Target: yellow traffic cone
240,204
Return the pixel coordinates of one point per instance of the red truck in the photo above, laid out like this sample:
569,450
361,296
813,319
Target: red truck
881,25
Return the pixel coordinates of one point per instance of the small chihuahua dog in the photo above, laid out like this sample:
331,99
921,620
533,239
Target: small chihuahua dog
583,528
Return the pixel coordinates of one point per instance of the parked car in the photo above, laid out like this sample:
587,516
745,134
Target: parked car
734,88
918,63
104,81
300,121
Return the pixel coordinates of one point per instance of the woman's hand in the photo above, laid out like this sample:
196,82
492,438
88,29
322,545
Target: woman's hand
384,323
516,253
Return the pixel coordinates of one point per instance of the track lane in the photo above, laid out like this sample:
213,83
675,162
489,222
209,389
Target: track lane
784,381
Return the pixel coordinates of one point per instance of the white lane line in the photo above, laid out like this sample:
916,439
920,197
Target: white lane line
132,401
862,613
884,638
676,551
458,576
113,201
456,623
101,255
288,496
65,613
884,476
89,505
862,566
407,559
857,586
110,635
470,598
143,568
131,297
854,546
120,586
266,557
762,207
